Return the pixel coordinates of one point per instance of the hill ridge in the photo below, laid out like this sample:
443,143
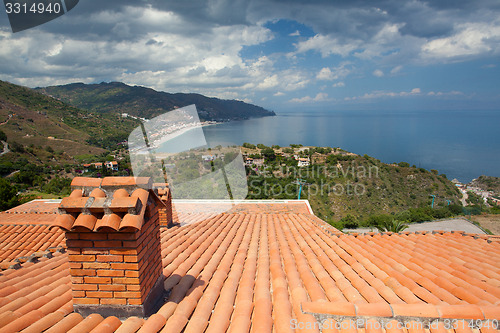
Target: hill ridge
144,102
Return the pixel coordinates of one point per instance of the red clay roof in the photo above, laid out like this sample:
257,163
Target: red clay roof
264,272
99,210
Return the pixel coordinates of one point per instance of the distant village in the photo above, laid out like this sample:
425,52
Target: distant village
484,194
299,154
111,165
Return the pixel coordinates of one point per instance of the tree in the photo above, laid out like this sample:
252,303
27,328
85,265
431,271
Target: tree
393,226
3,136
268,154
350,222
248,145
8,195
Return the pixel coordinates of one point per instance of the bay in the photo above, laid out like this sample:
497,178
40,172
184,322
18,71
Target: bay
460,144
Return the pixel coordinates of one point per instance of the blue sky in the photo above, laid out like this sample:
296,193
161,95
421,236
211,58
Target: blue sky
280,54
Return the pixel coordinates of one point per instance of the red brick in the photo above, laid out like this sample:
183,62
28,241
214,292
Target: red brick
123,251
94,251
130,258
134,301
78,243
96,265
85,300
74,250
133,287
130,244
81,257
127,294
112,287
76,279
110,272
93,236
125,280
75,265
120,265
72,235
109,257
98,280
85,287
117,301
122,236
100,294
108,243
132,274
82,272
78,293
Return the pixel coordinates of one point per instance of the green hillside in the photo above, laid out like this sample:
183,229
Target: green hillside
31,118
148,103
341,185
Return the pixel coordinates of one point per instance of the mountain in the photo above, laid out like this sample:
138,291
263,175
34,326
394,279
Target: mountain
32,120
148,103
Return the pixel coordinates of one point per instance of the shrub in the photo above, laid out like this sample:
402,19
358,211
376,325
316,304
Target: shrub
8,195
248,145
350,222
393,226
16,147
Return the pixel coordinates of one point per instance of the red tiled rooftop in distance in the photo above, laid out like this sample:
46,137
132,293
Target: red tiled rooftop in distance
38,206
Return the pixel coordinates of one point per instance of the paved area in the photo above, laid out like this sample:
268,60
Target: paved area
446,225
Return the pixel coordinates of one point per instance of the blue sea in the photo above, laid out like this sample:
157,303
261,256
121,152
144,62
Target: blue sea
460,144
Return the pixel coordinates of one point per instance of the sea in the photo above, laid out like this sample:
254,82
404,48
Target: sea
460,144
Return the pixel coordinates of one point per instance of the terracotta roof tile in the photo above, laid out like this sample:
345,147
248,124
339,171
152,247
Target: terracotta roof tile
106,208
86,182
125,181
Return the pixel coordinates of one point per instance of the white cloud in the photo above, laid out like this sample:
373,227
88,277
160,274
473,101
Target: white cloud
296,33
378,73
445,93
472,39
269,82
396,69
386,94
327,46
320,97
334,73
278,94
338,84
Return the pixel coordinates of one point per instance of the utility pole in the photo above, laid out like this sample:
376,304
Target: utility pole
300,182
433,197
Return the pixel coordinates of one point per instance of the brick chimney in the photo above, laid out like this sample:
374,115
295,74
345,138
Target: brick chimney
165,212
113,238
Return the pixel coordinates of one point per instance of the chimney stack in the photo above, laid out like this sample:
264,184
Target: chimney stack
112,230
165,212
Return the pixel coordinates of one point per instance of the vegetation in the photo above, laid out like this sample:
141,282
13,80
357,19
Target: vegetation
45,137
147,103
348,190
30,117
393,226
8,195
